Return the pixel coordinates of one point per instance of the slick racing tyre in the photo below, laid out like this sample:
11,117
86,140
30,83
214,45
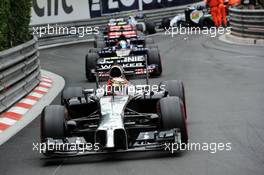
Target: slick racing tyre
150,46
141,27
206,22
70,93
165,23
149,41
90,63
53,123
172,116
154,58
175,88
94,50
99,44
150,27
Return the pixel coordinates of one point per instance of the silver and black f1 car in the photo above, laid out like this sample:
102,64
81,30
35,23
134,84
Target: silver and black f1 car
135,60
143,120
192,16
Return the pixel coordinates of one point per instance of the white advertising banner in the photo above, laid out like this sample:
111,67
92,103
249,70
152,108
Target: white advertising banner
55,11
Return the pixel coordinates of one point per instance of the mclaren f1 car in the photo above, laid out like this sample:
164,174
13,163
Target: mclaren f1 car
111,121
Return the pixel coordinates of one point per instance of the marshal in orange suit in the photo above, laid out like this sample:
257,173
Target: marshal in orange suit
213,4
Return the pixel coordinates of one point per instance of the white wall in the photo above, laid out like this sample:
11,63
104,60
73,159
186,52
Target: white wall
77,10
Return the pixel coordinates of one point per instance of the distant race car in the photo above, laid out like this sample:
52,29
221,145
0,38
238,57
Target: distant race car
112,38
100,122
128,28
136,59
192,16
138,22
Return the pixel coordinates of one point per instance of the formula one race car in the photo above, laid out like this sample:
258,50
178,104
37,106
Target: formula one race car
114,37
193,16
140,24
136,61
121,118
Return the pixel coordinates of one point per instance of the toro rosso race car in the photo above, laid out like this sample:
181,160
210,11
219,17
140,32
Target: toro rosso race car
118,118
117,33
136,61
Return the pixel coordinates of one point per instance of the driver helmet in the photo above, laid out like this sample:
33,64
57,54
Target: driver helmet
117,84
123,44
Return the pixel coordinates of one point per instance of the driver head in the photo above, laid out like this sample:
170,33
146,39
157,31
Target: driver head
123,44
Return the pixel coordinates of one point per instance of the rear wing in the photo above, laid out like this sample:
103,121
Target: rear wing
119,28
134,66
127,62
126,34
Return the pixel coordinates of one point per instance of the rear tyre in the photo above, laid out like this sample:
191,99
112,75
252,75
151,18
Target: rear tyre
94,50
90,63
165,23
175,88
150,46
149,41
206,22
141,27
154,58
99,44
172,116
150,27
70,93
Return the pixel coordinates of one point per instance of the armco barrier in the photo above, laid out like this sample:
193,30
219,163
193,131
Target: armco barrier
155,16
247,23
19,72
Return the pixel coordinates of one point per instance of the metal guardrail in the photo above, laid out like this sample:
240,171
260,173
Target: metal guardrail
155,16
247,23
19,72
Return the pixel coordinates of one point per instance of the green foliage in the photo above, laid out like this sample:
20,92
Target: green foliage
4,15
14,22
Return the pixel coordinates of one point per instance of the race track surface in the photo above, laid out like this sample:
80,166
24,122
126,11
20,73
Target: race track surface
225,99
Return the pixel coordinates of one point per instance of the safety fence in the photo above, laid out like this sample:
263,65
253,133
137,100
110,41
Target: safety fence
247,23
19,72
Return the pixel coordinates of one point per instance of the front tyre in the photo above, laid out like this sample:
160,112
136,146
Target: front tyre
171,111
53,123
175,88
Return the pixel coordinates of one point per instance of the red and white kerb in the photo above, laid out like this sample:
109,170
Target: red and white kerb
15,113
